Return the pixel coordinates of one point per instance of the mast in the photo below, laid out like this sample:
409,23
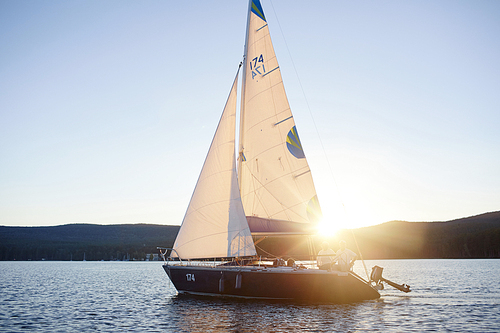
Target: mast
243,85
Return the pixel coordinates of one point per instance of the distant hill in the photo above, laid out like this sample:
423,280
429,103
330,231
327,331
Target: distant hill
472,237
71,241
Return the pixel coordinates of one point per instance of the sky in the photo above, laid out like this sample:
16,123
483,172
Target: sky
107,108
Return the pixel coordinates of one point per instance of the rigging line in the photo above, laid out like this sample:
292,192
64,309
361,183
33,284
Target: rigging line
270,254
360,255
308,106
319,137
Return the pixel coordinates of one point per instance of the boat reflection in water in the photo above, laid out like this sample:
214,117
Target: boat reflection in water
189,313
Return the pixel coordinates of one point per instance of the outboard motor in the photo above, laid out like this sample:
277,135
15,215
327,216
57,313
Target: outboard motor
376,277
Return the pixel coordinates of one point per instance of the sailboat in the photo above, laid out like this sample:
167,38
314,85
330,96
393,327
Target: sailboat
266,189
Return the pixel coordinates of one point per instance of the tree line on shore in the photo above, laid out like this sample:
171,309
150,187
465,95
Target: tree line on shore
472,237
85,241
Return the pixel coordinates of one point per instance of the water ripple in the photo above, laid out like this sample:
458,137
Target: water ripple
448,295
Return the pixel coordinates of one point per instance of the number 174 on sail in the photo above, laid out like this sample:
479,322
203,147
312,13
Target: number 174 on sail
254,68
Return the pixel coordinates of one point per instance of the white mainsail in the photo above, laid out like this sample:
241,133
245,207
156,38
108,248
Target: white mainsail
275,179
215,225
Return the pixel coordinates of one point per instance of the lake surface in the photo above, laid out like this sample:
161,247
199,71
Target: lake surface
447,296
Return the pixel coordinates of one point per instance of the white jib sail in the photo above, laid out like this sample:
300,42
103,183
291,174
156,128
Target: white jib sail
275,179
215,225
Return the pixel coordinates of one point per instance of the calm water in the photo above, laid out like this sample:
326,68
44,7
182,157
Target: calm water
448,295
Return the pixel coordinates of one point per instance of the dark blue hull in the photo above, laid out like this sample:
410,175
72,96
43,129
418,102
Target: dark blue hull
310,285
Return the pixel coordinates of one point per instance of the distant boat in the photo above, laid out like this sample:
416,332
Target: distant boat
269,193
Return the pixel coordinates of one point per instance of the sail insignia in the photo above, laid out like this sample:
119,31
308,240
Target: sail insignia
257,9
293,143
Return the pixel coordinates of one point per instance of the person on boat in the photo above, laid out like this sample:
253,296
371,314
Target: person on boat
344,257
325,256
279,262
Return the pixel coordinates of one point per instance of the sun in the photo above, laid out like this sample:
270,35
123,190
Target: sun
332,222
327,228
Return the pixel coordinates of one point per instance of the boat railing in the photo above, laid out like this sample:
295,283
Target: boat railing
163,254
166,255
168,258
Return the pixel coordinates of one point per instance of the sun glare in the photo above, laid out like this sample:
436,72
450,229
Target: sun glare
327,228
333,222
336,217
